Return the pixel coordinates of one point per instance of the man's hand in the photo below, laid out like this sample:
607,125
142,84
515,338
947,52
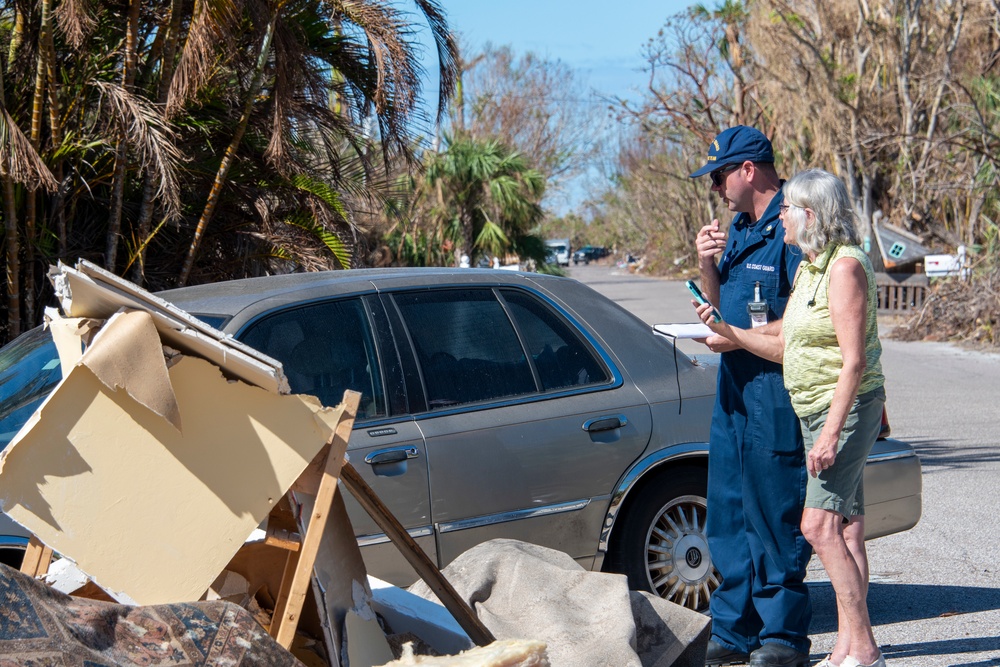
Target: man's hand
710,242
718,343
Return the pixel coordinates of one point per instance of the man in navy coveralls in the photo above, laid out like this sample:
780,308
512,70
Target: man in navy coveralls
756,471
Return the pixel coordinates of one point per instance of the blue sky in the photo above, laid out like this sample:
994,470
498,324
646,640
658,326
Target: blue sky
603,40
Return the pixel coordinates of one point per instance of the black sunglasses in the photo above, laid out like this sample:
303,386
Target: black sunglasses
719,174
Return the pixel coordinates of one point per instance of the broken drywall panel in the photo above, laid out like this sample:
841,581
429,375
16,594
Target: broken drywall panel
64,576
69,335
130,357
150,513
366,643
89,291
408,613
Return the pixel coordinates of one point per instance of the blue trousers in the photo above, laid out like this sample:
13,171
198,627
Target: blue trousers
756,490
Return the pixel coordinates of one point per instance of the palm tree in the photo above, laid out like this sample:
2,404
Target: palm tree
278,121
355,54
486,198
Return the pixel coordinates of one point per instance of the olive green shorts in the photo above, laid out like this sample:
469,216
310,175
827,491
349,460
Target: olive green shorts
840,488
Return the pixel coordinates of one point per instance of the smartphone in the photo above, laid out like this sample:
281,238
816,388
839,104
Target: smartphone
700,298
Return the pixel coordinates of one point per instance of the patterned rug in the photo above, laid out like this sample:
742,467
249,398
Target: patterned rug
40,627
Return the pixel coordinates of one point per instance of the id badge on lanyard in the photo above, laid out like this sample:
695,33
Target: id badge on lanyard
757,308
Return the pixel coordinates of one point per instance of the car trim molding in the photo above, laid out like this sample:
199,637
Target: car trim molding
382,538
503,517
890,456
635,473
904,450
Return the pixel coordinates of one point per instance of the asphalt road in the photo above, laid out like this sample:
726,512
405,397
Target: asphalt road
934,597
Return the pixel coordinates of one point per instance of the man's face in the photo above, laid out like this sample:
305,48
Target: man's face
730,183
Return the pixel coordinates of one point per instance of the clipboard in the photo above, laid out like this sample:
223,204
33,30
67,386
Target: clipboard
688,330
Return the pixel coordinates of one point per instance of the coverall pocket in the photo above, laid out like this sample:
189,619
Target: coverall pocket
776,429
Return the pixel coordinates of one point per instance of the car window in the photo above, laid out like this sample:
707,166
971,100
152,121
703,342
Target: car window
466,346
561,357
325,348
29,370
470,350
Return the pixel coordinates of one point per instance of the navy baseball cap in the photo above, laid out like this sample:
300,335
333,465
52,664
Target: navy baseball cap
735,146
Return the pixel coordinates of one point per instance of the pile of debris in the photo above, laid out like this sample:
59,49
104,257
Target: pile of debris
196,509
966,312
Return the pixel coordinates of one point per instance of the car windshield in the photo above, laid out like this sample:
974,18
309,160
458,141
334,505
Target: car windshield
29,369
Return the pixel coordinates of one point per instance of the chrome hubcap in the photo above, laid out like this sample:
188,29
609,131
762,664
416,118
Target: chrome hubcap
678,563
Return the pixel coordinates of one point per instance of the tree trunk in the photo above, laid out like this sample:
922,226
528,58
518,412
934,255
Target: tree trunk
166,75
48,47
118,180
17,35
13,260
13,264
230,154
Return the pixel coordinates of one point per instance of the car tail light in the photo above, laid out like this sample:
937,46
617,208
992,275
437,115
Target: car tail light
885,430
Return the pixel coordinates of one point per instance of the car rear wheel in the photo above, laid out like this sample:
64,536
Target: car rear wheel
661,546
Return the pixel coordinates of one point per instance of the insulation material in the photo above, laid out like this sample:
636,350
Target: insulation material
153,513
504,653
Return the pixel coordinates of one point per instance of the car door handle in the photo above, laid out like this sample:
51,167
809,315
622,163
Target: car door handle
606,423
392,455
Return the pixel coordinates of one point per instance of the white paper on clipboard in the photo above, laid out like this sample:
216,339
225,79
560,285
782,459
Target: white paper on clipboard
689,330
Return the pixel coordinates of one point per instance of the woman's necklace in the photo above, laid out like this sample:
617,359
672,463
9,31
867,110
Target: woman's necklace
812,302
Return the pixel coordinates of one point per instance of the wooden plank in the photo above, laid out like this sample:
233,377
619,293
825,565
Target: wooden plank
37,558
282,538
416,557
278,618
299,586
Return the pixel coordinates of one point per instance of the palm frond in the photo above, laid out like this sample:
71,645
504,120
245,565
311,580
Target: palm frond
329,239
492,238
74,21
213,29
322,191
151,137
447,51
19,158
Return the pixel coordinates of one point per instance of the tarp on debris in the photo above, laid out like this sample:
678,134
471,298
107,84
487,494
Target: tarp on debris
586,619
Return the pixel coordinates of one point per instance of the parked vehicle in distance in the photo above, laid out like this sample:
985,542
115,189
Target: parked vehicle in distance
494,404
589,253
561,249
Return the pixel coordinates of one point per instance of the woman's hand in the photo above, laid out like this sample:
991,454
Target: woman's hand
822,455
706,314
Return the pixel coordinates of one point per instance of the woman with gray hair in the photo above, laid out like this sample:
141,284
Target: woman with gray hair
829,347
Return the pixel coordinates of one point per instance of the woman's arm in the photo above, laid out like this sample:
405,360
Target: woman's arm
848,310
766,341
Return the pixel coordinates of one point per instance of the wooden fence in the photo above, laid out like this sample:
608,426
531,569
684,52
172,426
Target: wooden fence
901,292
